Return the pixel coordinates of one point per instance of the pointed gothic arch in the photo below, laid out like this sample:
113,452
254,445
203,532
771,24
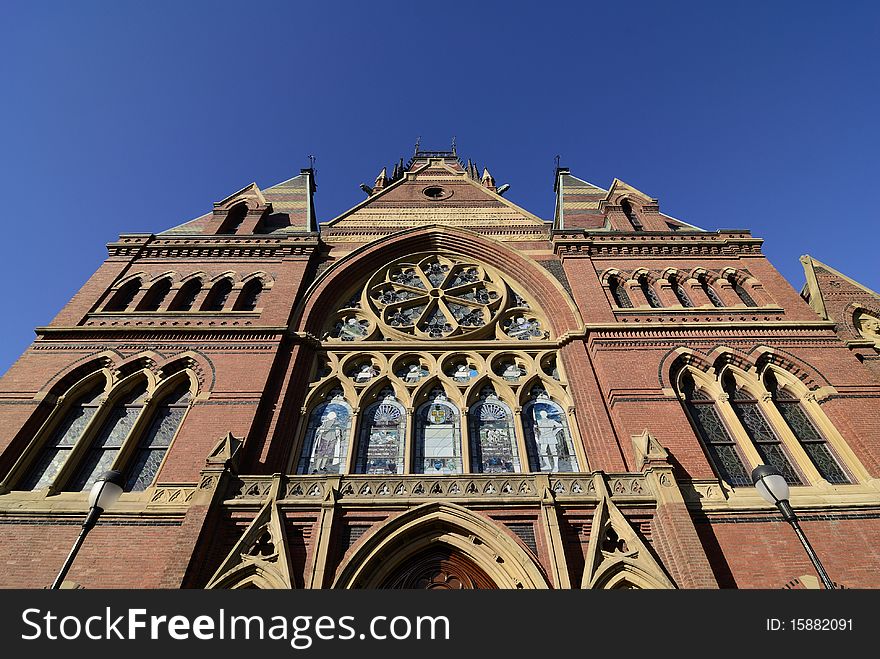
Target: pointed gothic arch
381,557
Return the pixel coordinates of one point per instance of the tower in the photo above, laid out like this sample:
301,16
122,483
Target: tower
439,389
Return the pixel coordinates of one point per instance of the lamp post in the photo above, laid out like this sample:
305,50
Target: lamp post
772,486
104,494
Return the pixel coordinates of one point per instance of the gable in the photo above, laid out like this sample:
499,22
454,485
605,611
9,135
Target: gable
435,193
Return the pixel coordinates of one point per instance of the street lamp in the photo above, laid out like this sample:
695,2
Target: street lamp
104,494
772,486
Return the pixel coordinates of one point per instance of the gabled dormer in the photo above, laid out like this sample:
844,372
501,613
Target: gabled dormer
287,207
240,212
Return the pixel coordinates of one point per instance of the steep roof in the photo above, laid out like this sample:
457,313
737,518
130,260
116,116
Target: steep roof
578,203
292,204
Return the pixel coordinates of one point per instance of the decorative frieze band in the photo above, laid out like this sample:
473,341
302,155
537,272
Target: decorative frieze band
498,487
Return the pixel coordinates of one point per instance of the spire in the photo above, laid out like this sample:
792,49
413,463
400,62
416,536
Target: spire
487,180
381,180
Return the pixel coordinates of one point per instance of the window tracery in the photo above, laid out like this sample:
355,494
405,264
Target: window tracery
437,296
326,445
548,440
383,437
438,436
431,391
128,429
493,442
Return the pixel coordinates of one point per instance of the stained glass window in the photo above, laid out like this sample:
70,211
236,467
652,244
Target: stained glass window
350,329
722,450
548,439
437,437
741,292
63,438
621,299
106,444
522,328
382,437
807,434
759,431
155,442
492,438
650,295
326,443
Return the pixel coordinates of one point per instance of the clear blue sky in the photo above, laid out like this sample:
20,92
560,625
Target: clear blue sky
123,116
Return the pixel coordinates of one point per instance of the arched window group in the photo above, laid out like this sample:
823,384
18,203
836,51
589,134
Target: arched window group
745,421
192,294
493,435
702,289
127,427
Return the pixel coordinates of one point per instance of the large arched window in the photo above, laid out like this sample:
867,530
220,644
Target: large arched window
219,293
721,448
382,437
326,445
767,443
492,437
166,419
806,432
548,439
186,296
58,448
621,299
155,296
437,437
117,425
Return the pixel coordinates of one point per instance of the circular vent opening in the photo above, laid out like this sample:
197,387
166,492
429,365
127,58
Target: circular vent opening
435,192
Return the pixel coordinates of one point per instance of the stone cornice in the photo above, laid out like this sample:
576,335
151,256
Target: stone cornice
206,246
648,243
154,333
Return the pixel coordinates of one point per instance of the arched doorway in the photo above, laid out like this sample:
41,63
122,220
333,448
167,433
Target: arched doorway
440,545
440,568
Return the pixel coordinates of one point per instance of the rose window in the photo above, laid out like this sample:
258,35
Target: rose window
433,296
436,297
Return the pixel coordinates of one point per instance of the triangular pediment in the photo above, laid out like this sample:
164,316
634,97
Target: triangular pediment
435,192
251,191
620,189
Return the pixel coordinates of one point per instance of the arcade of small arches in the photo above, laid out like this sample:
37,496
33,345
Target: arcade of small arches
747,415
699,288
438,412
195,292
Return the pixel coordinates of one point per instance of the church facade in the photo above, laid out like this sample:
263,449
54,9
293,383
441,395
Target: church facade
439,389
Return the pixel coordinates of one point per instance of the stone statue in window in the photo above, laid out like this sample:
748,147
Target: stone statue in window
547,434
328,440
